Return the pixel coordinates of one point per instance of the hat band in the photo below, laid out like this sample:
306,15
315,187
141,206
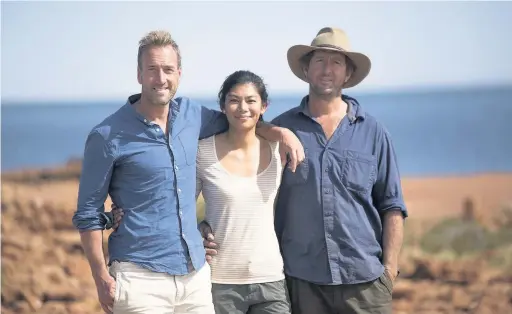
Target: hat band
330,46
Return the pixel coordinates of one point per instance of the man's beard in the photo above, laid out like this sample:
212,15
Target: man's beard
157,101
322,93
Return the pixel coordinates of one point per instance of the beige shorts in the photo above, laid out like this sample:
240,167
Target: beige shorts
139,290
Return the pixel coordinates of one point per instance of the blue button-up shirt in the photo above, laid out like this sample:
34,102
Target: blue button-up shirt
152,179
329,212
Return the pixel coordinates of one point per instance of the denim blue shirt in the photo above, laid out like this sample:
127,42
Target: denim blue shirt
329,212
152,179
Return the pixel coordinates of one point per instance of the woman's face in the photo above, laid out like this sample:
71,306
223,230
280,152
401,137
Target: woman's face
243,107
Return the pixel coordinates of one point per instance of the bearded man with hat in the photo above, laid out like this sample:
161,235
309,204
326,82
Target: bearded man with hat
339,217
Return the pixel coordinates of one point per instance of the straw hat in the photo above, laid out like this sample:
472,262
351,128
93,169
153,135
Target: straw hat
331,39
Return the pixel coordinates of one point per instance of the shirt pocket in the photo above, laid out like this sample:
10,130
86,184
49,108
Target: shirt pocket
359,170
300,176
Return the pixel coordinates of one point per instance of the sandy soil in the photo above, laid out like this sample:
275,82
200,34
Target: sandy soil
437,197
44,269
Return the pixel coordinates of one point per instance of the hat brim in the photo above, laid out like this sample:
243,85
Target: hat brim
361,62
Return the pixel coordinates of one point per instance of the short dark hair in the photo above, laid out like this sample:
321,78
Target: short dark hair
242,77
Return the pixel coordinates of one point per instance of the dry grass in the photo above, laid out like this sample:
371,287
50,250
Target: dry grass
459,238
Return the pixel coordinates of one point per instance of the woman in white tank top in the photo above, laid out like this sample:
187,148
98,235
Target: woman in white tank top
238,174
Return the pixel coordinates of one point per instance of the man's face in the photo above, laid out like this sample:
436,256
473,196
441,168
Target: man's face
159,74
327,72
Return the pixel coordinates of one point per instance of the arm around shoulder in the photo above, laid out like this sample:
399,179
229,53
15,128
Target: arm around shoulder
212,122
290,147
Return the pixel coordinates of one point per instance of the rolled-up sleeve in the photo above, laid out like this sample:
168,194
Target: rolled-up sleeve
387,191
97,167
212,122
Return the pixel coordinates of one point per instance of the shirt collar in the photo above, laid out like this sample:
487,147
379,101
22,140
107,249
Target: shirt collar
354,110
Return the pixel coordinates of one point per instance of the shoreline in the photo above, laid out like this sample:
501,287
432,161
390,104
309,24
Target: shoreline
428,197
73,167
208,96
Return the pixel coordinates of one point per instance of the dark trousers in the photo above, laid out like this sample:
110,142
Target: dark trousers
258,298
373,297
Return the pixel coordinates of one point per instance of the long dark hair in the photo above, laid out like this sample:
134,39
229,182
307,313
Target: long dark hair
243,77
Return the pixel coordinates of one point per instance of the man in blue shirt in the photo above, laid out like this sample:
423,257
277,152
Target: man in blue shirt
339,216
144,156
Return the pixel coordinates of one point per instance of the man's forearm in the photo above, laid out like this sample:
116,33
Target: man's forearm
290,147
392,238
269,131
92,242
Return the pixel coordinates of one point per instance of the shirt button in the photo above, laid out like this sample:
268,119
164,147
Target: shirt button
179,190
177,168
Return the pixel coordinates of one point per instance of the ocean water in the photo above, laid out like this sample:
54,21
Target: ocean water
434,133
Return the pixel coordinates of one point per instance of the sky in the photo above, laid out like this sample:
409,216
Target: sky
88,50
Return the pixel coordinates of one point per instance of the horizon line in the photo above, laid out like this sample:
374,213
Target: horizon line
277,94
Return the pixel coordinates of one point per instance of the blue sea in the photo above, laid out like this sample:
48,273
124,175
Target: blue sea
442,132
